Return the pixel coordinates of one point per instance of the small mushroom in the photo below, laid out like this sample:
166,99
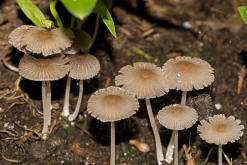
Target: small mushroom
112,104
39,40
83,66
177,117
184,73
44,70
220,130
145,80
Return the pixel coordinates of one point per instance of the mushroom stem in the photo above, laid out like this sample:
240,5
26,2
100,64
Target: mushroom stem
170,149
220,155
159,152
65,112
78,104
45,111
96,29
184,95
48,97
113,155
176,147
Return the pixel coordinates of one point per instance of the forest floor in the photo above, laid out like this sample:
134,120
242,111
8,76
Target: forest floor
151,31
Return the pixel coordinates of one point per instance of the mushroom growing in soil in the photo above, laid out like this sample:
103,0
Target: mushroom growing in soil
220,130
177,117
44,70
184,73
145,80
83,66
112,104
39,40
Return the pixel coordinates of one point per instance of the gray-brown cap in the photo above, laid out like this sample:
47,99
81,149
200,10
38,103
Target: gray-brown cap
17,35
39,40
143,79
184,73
44,69
112,104
177,117
81,42
83,66
220,130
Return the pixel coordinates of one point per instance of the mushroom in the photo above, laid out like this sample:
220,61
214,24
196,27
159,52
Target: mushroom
145,80
220,130
83,66
44,70
39,40
81,42
112,104
184,73
177,117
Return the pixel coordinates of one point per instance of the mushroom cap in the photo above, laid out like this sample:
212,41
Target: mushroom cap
177,117
83,66
16,36
112,104
44,69
81,42
184,73
39,40
220,130
143,79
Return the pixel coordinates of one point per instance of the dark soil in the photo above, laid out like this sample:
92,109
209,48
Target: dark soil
153,31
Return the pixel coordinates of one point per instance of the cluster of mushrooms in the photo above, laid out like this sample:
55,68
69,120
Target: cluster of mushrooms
44,60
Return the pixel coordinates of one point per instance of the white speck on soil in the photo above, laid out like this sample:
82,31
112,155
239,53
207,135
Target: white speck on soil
218,106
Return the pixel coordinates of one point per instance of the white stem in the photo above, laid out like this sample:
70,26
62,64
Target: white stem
78,104
48,97
45,111
65,112
184,95
220,155
113,154
170,149
159,152
176,147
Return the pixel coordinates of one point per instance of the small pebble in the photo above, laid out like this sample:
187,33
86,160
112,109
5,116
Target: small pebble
186,25
218,106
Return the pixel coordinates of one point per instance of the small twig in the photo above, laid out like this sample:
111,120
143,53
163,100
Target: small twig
243,155
11,160
8,132
241,75
28,129
15,103
190,160
54,123
209,153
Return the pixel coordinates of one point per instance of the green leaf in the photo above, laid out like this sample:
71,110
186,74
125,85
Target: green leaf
243,12
31,11
106,16
80,8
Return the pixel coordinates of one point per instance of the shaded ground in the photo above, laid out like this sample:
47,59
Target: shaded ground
154,31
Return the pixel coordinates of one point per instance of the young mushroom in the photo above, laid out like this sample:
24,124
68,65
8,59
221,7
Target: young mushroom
112,104
145,80
177,117
83,66
39,40
44,70
184,73
220,130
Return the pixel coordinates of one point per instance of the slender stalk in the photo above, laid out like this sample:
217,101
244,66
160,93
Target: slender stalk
159,152
184,95
176,147
96,29
220,155
78,104
45,111
72,22
54,12
48,97
170,149
113,154
65,112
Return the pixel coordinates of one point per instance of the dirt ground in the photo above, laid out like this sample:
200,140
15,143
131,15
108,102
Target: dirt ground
150,30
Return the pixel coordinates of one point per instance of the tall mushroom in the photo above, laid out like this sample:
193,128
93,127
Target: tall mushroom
177,117
83,66
44,70
145,80
220,130
112,104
